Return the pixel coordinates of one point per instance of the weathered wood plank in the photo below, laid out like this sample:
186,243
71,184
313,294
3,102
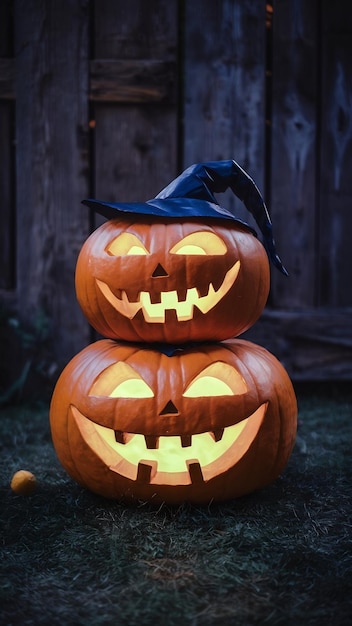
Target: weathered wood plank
142,81
224,92
6,28
52,163
314,344
293,141
335,224
112,80
135,146
7,79
7,221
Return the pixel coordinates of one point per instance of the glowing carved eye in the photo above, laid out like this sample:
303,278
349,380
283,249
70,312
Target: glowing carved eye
219,379
200,243
120,380
126,244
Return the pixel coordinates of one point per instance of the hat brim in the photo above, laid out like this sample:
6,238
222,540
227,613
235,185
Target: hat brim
174,208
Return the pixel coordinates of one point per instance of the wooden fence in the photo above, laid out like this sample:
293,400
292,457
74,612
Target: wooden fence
112,99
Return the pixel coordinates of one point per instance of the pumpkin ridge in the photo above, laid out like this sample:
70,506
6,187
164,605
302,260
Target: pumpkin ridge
108,323
279,462
70,441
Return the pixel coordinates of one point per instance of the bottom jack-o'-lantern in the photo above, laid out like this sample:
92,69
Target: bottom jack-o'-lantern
203,423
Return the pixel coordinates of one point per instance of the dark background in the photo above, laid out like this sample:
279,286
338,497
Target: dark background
113,99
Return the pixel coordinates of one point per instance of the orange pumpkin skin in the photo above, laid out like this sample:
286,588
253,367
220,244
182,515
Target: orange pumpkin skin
173,444
134,277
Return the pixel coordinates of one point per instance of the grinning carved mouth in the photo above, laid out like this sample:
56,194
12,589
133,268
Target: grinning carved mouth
155,311
174,460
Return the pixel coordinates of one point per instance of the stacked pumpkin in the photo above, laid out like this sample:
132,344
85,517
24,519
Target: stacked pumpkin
171,406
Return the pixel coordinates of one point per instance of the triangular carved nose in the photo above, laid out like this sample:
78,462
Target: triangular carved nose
159,271
168,409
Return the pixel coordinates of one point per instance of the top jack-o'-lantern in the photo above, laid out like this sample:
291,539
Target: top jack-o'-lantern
179,267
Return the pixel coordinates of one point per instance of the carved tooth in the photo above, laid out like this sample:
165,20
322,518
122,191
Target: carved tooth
195,472
186,441
217,282
170,316
217,434
151,441
155,298
120,436
124,297
118,293
144,473
133,296
203,290
182,294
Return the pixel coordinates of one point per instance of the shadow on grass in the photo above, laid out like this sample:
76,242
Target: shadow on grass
278,556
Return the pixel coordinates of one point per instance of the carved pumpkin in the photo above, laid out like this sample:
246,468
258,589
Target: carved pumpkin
165,281
215,421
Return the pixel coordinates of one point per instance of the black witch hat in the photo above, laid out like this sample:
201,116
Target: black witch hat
192,195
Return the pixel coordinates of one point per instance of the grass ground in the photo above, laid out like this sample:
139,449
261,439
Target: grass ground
279,556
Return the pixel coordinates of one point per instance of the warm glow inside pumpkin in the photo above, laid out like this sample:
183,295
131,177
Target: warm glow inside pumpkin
211,422
174,282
